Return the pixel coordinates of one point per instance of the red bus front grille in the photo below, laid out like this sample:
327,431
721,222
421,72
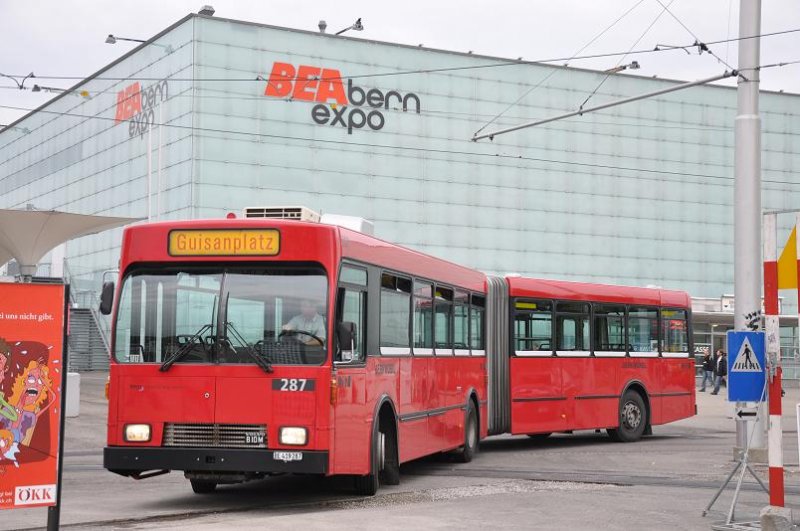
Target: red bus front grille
215,435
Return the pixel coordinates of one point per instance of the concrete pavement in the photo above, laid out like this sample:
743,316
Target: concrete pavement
580,481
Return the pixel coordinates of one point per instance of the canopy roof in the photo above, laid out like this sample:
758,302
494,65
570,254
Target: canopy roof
27,235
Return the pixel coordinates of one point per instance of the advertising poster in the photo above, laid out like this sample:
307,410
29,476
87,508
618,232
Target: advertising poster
31,381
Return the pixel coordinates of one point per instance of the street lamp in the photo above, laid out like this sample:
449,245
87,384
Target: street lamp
42,88
112,39
356,26
633,66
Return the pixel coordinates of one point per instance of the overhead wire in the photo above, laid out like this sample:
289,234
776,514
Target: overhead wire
608,74
501,63
703,47
503,156
728,44
552,72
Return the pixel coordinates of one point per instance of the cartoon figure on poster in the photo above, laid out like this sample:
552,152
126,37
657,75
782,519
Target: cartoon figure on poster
26,393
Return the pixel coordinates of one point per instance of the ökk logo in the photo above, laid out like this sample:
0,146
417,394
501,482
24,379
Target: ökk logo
35,495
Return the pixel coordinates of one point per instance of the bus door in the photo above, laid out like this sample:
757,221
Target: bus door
350,449
537,399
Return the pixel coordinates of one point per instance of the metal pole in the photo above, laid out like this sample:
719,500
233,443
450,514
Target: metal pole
158,174
581,112
149,169
54,511
747,191
771,319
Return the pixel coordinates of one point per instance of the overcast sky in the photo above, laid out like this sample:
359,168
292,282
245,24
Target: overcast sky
67,37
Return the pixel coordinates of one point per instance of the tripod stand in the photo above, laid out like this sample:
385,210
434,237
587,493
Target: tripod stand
745,467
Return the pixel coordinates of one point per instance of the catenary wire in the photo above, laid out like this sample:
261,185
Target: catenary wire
413,148
552,72
698,42
622,58
433,111
438,70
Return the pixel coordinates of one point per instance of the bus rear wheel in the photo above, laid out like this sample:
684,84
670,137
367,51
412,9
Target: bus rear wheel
203,487
632,418
471,436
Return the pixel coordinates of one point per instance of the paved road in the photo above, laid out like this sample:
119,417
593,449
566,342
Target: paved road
580,481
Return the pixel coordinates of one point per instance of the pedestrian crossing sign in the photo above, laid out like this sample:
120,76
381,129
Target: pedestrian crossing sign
746,360
746,363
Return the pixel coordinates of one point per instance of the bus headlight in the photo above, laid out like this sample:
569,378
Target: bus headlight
293,436
137,433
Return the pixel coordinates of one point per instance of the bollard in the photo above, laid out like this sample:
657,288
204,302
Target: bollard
776,518
73,406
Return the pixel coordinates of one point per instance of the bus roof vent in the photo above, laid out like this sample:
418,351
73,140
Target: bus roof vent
349,222
298,213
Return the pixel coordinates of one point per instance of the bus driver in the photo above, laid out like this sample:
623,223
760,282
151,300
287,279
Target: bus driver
308,321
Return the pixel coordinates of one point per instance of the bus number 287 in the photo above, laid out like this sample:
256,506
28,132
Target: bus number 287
292,384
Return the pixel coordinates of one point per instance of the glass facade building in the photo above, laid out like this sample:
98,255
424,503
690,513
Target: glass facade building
214,115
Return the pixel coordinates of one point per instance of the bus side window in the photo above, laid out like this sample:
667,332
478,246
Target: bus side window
461,324
609,328
395,315
354,311
643,329
533,326
351,308
572,326
443,321
674,337
476,324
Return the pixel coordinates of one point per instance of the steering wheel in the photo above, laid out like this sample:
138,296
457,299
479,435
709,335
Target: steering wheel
295,332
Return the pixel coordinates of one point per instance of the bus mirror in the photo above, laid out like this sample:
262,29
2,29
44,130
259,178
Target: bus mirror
107,298
346,332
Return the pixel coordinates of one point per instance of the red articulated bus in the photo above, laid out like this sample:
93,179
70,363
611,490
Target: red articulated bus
243,348
589,356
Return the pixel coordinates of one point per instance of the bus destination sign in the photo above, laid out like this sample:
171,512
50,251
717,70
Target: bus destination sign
224,242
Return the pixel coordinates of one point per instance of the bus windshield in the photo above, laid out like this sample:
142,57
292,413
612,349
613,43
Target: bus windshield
271,314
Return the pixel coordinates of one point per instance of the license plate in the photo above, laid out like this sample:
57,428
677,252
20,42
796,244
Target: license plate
288,456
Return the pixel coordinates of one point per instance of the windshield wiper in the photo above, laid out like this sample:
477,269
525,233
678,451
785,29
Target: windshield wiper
260,360
186,348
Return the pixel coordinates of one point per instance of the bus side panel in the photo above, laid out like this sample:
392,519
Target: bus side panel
446,421
414,389
677,390
590,384
351,431
114,434
537,401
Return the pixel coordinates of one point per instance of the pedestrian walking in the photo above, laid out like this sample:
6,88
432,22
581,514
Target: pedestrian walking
720,370
708,371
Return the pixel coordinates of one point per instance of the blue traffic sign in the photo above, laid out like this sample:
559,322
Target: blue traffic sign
746,366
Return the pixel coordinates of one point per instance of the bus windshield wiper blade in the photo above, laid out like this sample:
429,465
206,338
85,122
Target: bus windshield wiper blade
184,349
260,360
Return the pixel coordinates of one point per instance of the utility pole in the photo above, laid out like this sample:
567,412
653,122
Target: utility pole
747,198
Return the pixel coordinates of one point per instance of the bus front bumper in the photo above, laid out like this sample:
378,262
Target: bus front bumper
131,461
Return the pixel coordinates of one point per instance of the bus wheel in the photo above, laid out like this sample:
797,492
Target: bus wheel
471,436
368,485
632,418
203,487
390,473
